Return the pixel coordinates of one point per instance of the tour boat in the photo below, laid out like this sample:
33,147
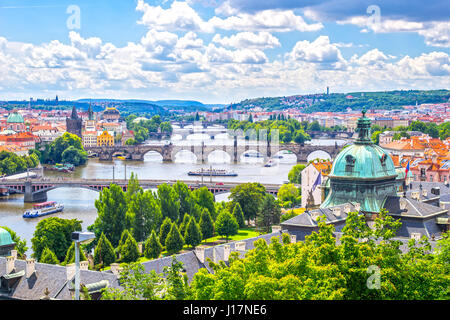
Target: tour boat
213,172
43,209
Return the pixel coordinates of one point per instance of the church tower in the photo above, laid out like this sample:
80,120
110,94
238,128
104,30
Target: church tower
74,123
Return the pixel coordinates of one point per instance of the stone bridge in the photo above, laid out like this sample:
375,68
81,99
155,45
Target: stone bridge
202,151
35,190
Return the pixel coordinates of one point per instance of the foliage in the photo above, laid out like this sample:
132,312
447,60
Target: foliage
48,256
288,215
206,224
153,247
249,196
184,224
269,213
104,252
67,148
168,199
144,213
174,240
177,287
129,251
320,268
70,255
226,225
239,215
56,234
164,230
205,199
193,234
21,244
111,207
289,193
295,175
11,163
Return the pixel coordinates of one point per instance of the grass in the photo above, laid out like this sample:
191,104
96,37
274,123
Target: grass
242,234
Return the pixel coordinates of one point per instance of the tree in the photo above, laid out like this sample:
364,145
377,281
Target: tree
226,225
295,175
205,199
137,284
49,257
69,143
56,234
153,247
269,214
133,187
164,230
168,199
129,251
176,281
112,219
206,225
74,156
70,255
249,196
104,252
193,234
184,224
185,198
144,213
289,193
174,240
21,244
238,215
376,137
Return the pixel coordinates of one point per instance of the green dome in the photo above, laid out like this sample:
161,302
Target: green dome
5,238
363,161
15,117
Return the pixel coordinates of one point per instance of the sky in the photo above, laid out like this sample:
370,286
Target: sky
220,51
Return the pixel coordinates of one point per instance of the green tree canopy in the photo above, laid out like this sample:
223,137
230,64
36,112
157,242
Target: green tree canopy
269,213
70,255
226,225
295,175
48,256
239,215
206,224
205,199
153,247
249,196
56,234
168,199
104,253
164,230
174,240
193,234
145,215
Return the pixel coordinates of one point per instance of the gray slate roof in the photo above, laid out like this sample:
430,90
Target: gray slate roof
53,277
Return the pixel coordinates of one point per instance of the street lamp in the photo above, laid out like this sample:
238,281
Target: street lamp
80,237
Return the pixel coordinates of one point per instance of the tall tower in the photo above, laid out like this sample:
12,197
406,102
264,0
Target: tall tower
74,123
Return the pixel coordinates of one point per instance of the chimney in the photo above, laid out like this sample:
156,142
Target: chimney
140,247
226,252
70,271
415,195
424,192
337,211
9,264
415,235
114,268
357,206
239,246
84,265
276,229
403,204
293,238
14,254
347,208
30,267
200,253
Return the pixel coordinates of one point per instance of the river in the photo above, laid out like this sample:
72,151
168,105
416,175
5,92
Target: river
79,203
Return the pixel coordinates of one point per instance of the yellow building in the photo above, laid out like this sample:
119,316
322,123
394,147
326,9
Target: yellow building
105,139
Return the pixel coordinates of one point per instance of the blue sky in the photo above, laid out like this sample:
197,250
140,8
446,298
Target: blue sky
220,51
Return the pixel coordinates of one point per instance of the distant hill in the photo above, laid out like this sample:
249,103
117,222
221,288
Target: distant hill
338,102
163,103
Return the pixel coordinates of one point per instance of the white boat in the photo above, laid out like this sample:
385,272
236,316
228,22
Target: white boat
43,209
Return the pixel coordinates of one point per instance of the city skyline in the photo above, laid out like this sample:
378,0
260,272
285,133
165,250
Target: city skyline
219,52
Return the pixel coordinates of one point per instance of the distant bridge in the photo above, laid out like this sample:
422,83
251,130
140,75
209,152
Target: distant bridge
36,190
169,151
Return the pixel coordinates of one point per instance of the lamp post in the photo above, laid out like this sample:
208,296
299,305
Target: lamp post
80,237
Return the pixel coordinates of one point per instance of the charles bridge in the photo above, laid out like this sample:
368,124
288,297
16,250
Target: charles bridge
202,151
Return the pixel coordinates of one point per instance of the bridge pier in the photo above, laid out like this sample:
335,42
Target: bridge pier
29,196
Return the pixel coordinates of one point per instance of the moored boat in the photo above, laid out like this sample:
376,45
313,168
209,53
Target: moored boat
43,209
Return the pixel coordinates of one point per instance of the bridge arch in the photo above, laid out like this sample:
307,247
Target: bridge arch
184,156
219,156
321,154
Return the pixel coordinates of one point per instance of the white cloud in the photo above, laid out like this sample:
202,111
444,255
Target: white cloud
320,51
246,56
180,16
267,20
372,58
262,40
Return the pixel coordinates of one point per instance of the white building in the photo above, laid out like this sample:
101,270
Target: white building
310,178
